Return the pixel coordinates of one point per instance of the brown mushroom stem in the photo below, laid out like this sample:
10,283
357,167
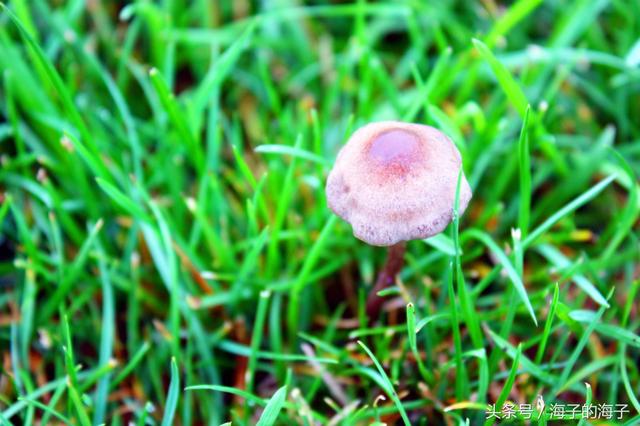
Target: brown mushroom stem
386,278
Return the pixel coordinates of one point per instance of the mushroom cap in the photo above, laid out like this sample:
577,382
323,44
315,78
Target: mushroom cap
395,181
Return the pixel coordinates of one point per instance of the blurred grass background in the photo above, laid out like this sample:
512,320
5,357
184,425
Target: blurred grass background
167,256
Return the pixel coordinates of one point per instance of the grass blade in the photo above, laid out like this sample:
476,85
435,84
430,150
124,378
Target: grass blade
177,117
466,303
508,384
172,395
123,200
388,385
222,67
256,338
506,264
57,83
307,267
578,349
570,207
271,411
524,157
547,325
508,84
233,391
106,341
294,152
411,333
562,263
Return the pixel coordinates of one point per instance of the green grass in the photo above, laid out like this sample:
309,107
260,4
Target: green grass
166,251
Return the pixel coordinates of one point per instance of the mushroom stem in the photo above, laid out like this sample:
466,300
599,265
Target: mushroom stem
386,278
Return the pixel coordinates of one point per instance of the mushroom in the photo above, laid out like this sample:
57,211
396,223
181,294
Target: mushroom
395,182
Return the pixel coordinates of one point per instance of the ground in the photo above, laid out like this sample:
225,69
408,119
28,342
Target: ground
168,256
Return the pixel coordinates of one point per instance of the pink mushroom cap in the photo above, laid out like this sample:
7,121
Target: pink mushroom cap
395,181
